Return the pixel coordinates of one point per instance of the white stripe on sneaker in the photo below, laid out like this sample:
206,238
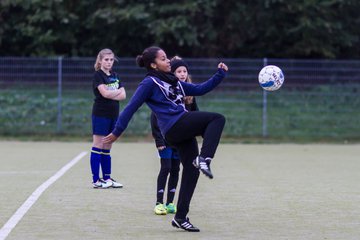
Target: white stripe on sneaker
186,225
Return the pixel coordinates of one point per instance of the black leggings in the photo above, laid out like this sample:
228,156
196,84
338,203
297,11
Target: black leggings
171,168
182,136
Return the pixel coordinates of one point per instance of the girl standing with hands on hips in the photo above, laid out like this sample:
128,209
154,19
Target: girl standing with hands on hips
162,91
108,91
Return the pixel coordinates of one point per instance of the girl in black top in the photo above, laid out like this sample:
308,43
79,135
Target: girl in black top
108,91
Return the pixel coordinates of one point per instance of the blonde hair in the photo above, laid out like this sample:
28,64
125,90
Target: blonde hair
100,56
176,57
188,99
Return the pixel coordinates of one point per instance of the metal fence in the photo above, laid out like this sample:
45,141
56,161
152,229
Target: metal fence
318,101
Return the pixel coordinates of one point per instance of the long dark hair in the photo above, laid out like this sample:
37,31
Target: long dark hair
147,57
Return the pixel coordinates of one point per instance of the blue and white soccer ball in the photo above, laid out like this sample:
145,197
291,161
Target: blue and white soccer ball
271,78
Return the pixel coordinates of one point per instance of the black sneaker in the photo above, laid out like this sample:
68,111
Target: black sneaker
184,224
204,166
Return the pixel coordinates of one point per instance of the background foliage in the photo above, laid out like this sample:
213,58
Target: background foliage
199,28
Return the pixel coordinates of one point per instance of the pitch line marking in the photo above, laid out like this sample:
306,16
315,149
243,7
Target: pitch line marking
19,214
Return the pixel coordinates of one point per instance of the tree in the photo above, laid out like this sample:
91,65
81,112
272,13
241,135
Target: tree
198,28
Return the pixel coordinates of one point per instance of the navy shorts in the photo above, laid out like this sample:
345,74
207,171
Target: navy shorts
102,125
168,153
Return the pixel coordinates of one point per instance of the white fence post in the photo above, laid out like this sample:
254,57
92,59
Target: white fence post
264,112
59,106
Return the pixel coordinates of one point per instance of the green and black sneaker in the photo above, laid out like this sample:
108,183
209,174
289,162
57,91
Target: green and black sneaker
171,208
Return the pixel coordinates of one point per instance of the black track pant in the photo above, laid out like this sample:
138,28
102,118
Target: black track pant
182,137
171,168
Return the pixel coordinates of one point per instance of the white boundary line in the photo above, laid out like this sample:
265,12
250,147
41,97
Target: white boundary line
18,215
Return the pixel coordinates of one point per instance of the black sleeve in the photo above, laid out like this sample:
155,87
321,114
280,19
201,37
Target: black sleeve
97,79
156,133
194,106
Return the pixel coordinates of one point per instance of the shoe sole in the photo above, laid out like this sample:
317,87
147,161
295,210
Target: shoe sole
101,187
160,213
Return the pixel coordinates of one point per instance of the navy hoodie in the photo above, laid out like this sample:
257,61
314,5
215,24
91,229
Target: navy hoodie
155,93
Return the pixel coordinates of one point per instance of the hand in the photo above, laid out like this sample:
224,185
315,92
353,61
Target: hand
161,148
223,66
109,138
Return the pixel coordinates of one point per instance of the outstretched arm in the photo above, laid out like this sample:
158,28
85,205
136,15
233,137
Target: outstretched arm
141,94
207,86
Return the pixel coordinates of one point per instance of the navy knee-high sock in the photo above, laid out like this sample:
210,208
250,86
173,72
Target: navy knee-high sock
106,163
95,158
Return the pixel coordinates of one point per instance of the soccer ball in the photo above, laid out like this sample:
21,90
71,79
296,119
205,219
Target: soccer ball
271,78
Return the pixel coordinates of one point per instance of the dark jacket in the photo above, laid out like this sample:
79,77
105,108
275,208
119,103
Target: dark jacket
156,133
151,91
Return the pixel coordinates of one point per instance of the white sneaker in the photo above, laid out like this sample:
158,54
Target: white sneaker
102,184
114,184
